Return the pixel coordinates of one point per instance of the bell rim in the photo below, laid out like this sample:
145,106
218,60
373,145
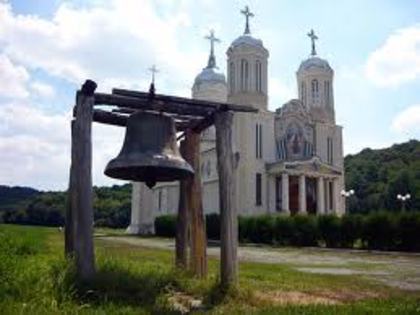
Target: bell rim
165,171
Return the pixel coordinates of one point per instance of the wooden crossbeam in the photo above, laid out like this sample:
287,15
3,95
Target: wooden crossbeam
155,105
130,111
175,100
104,117
115,119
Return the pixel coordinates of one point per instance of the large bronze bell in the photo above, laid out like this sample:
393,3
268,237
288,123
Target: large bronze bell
150,153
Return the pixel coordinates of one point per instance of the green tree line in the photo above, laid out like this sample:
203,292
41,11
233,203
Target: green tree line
112,206
377,176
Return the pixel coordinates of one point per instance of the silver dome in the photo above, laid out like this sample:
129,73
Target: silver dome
314,63
247,40
209,75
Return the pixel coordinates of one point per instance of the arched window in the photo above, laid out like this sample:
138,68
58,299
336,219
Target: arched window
258,76
327,93
244,75
160,199
208,168
232,77
303,92
314,86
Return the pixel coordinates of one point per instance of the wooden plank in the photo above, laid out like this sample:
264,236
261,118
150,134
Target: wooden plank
187,101
203,124
130,111
181,240
82,202
226,167
146,104
110,118
198,257
198,125
104,117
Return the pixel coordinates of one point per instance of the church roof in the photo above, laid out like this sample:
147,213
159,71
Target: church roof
314,62
210,75
247,39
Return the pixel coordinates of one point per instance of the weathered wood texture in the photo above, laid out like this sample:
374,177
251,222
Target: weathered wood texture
173,101
81,182
109,118
182,223
156,105
193,114
198,257
69,229
226,166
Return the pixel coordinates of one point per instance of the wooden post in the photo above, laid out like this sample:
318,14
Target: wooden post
181,240
198,259
226,166
80,190
69,228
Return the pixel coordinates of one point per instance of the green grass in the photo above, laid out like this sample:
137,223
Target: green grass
35,279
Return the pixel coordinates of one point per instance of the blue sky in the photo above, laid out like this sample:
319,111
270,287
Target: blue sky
48,48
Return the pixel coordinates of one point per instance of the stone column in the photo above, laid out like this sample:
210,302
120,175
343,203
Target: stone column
142,216
335,196
327,195
271,193
302,194
320,202
285,193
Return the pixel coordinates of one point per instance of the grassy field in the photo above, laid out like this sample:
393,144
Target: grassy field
35,279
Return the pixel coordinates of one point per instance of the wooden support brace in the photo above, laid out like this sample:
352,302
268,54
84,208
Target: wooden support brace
80,211
226,166
182,222
198,259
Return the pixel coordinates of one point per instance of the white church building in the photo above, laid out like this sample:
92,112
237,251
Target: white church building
290,160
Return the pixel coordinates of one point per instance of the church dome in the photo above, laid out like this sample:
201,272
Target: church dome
247,39
314,63
209,75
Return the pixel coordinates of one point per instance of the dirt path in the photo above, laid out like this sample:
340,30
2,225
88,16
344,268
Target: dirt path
394,269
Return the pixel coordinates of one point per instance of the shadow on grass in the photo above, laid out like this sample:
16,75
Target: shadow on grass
151,288
116,284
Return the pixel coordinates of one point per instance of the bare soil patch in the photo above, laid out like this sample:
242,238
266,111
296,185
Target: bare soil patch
307,298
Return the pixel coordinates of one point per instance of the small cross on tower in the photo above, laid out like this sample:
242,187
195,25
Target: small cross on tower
247,14
313,38
212,39
153,70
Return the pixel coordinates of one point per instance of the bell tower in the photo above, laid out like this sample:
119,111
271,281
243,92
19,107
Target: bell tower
247,69
315,85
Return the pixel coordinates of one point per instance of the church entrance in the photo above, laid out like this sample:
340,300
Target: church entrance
294,194
311,195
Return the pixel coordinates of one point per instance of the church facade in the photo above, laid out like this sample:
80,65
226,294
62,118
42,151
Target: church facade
290,159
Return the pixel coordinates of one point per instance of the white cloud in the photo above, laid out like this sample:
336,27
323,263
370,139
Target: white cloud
35,147
113,40
280,92
408,121
398,60
42,89
13,79
113,43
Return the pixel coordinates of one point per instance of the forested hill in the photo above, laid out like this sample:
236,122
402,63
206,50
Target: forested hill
112,206
378,176
11,196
